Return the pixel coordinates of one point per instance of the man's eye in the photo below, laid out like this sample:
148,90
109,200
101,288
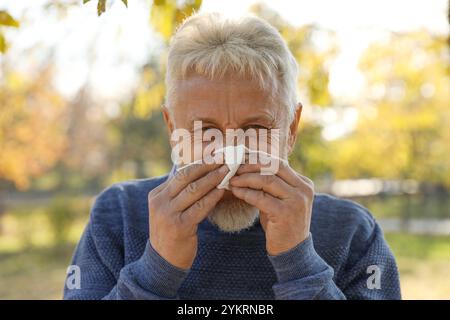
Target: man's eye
208,128
255,126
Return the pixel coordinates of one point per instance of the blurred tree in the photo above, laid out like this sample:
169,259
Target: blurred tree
39,131
403,114
84,162
61,213
313,61
150,92
403,129
139,146
31,132
165,16
138,125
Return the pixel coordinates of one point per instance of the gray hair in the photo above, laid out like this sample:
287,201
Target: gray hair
211,45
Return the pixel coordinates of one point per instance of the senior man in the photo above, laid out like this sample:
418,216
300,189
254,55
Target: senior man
265,236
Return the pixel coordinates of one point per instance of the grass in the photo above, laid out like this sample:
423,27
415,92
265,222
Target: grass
34,273
424,264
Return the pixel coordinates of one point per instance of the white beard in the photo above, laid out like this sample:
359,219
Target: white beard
233,215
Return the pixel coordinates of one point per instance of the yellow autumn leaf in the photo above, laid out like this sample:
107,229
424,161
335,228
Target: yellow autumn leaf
7,20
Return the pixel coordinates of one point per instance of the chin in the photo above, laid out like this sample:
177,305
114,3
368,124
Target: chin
232,214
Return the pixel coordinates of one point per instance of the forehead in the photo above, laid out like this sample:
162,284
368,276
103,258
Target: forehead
230,99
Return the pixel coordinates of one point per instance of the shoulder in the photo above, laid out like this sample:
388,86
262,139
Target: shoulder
130,188
341,221
342,211
349,239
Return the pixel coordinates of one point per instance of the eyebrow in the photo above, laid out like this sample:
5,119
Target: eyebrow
203,119
264,117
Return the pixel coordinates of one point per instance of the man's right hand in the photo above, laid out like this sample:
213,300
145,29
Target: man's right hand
177,206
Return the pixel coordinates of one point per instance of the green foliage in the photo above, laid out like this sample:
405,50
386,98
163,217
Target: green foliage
309,155
150,92
140,145
402,131
101,5
2,43
314,74
6,20
166,15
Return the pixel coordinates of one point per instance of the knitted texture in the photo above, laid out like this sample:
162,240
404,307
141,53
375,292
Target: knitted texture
117,261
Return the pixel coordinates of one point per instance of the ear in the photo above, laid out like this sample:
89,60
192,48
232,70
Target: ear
293,127
170,125
167,119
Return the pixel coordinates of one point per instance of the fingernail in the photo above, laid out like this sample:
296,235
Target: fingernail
223,169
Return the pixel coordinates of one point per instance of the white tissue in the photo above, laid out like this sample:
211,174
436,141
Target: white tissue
234,156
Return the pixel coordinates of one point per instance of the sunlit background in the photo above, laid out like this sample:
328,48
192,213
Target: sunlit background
80,98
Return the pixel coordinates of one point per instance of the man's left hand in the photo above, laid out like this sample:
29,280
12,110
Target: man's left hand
284,201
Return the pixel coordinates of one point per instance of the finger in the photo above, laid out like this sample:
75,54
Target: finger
307,187
271,184
284,171
156,197
307,180
186,175
270,165
247,168
201,208
259,199
155,191
198,188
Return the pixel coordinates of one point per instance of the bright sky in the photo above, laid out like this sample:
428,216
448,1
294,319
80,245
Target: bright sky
120,41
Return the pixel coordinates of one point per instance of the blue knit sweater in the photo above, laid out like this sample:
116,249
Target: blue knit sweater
116,260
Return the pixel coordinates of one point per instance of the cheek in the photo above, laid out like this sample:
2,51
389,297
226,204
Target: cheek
197,148
280,142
